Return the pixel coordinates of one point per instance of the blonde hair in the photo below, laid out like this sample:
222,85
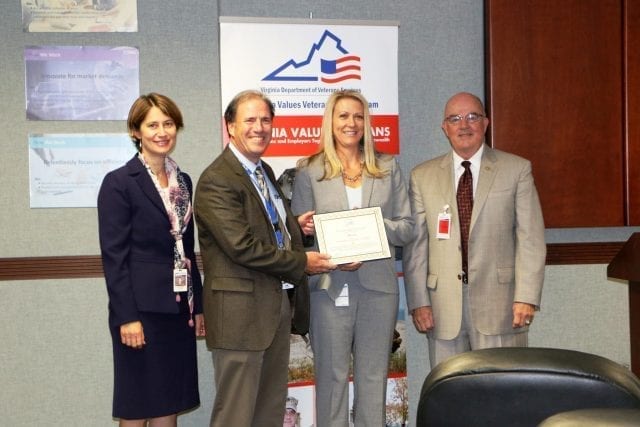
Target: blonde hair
332,164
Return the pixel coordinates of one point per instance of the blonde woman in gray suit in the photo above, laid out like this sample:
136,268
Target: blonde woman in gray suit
353,308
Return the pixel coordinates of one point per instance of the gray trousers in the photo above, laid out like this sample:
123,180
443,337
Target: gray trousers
364,331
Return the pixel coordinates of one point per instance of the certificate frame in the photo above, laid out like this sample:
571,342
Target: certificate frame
352,236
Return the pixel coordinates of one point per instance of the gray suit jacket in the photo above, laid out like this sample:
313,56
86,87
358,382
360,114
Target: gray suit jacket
389,193
243,267
506,244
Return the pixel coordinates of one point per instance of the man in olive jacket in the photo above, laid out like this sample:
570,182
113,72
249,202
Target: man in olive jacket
255,271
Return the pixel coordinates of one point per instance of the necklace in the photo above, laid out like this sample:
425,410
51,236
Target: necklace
352,178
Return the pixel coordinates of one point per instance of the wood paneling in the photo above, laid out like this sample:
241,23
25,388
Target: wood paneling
626,266
555,96
632,75
582,253
90,266
57,267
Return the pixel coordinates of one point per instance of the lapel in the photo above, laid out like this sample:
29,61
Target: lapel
333,190
367,190
236,168
335,186
488,171
139,174
271,176
445,180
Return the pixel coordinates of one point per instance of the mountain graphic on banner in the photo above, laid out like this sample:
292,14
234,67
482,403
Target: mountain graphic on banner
327,61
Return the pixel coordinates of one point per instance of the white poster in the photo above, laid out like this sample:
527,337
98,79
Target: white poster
66,170
298,64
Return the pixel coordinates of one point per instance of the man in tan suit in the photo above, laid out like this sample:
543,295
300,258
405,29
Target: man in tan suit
254,271
489,299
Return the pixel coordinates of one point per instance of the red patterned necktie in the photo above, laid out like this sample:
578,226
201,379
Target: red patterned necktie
464,198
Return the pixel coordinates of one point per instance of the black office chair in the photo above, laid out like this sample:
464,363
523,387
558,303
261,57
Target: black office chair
521,387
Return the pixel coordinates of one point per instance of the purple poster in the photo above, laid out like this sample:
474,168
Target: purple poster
80,82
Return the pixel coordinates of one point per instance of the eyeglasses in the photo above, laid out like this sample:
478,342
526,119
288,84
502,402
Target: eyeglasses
470,118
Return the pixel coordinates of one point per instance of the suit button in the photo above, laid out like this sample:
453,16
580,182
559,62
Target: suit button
459,276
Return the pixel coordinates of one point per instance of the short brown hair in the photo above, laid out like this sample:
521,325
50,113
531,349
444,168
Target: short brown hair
232,108
141,107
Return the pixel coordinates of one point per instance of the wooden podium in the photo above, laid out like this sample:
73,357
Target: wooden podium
626,266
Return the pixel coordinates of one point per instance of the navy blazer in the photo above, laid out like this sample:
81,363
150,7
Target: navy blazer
137,246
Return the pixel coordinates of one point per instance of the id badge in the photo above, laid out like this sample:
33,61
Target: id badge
180,280
444,225
343,298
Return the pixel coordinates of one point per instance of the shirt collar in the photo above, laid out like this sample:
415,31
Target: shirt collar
475,159
246,163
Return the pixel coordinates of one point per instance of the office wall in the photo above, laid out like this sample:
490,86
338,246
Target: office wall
55,353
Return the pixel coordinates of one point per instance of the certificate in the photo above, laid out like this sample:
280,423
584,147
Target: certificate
354,235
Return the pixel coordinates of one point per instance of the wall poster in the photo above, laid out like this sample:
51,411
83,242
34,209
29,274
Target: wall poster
66,170
299,63
79,16
80,82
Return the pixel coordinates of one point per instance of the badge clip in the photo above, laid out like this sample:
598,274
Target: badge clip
444,223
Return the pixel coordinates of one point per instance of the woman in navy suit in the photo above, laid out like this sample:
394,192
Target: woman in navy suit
353,308
154,286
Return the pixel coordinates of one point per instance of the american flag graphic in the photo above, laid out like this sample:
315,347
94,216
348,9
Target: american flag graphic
345,68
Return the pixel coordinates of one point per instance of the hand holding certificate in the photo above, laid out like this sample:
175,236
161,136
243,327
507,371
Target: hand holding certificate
352,236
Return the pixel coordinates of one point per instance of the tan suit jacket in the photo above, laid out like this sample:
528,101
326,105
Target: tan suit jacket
506,244
243,267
